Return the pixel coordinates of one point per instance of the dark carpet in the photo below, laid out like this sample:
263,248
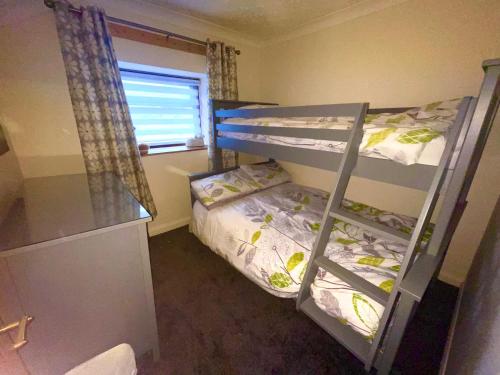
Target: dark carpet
212,320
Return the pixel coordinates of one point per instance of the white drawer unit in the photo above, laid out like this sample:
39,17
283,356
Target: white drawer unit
74,256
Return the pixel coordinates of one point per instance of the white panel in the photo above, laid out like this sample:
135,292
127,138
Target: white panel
86,296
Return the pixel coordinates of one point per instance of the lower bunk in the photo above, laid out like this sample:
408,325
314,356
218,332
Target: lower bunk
268,236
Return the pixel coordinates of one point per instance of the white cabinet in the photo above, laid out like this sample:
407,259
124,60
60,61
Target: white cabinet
88,290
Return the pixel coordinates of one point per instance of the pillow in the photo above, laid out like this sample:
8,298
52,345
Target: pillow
404,145
406,135
390,119
438,115
443,108
268,174
223,187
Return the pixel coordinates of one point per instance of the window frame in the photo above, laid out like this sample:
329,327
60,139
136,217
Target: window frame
153,72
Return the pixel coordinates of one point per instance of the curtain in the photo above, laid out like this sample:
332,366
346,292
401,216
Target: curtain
222,84
99,104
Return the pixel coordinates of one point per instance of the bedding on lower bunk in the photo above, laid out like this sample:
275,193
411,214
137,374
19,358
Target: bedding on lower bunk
268,236
414,136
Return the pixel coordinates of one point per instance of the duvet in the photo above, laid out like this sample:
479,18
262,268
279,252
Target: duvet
269,235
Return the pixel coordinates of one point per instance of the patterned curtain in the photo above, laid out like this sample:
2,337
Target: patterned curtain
99,104
222,84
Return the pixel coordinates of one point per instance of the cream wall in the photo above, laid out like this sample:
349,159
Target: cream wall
413,53
10,181
36,109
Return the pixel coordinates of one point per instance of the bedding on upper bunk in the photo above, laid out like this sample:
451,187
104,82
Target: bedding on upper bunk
417,135
268,236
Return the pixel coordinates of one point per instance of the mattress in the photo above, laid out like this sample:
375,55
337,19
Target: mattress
268,236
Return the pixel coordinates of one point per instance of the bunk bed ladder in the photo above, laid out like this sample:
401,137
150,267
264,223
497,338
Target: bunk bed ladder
367,352
344,334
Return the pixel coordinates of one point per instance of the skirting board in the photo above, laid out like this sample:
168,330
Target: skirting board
158,228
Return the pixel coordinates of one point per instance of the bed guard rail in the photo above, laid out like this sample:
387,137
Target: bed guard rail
416,176
353,110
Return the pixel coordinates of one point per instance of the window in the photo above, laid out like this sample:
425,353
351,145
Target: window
165,109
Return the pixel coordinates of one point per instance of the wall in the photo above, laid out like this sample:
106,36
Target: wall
10,179
413,53
473,343
36,109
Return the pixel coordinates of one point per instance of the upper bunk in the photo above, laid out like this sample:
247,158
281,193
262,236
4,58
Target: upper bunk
238,129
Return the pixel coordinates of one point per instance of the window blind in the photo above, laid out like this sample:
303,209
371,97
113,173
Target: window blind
165,109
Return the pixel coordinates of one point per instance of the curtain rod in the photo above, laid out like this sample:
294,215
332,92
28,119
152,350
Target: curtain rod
51,4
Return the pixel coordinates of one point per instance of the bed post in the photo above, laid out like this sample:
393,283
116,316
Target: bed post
396,330
480,119
217,152
215,105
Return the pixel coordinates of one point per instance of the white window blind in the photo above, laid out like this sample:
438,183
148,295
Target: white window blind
165,109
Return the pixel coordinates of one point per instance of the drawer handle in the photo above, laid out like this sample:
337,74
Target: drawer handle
21,326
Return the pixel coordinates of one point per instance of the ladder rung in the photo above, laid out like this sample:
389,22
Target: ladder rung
371,226
344,334
358,283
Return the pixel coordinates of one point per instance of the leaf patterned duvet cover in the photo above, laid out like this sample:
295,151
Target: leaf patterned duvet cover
268,236
401,137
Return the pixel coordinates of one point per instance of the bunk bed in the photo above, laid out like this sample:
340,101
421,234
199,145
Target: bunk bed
308,272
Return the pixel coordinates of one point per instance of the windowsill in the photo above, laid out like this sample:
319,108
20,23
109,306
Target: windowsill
172,149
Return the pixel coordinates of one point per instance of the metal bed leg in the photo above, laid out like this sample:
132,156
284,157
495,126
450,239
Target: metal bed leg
401,317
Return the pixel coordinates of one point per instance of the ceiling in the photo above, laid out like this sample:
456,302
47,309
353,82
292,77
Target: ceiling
259,19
